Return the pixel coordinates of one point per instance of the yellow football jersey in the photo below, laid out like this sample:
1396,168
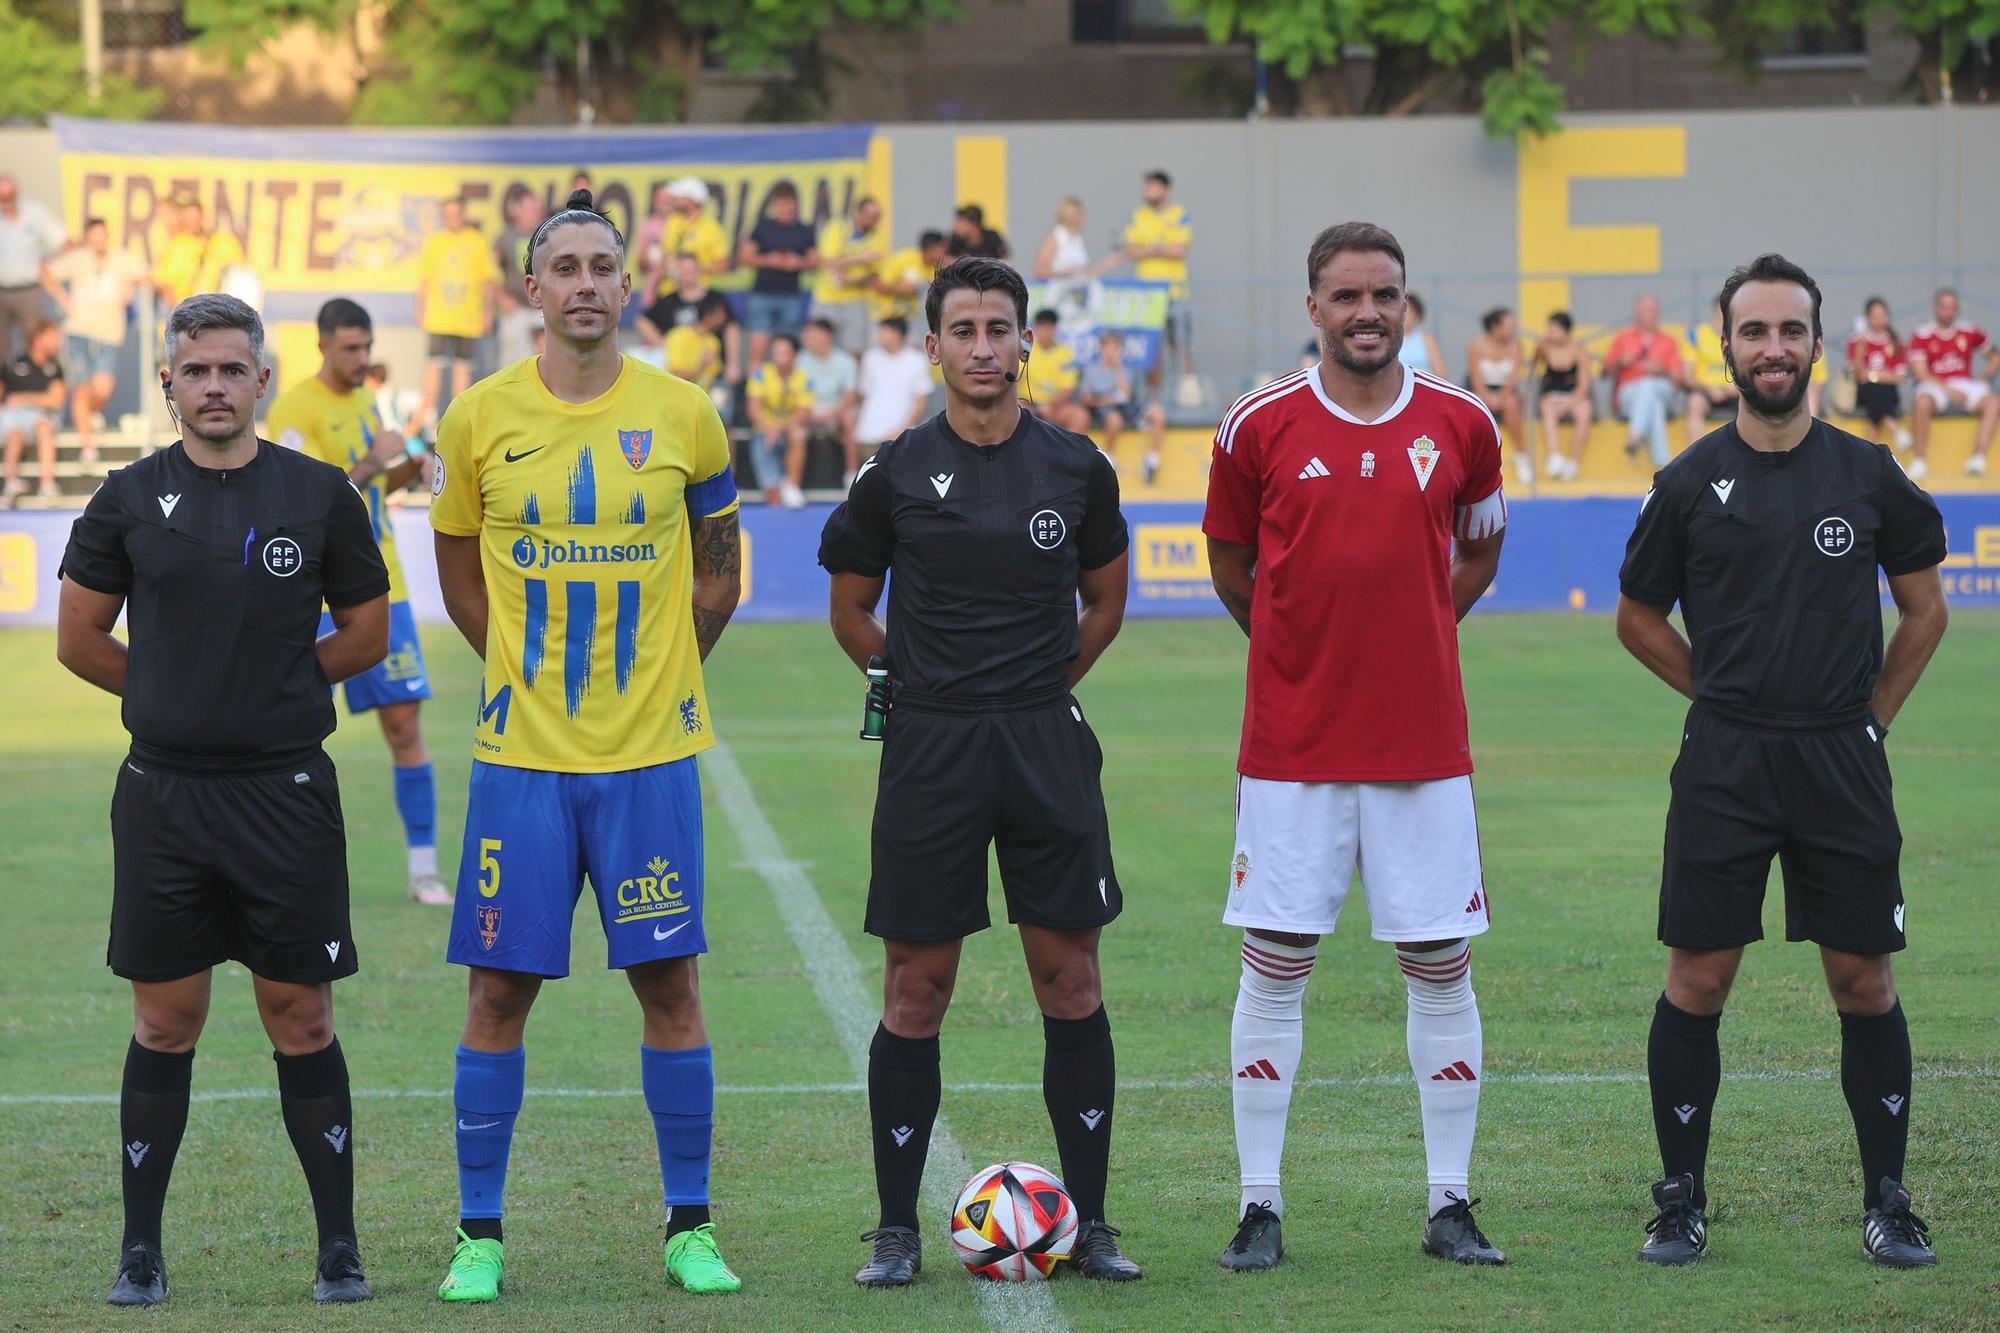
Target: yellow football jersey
341,429
900,266
456,269
1052,368
780,395
836,239
1161,226
693,353
583,513
702,237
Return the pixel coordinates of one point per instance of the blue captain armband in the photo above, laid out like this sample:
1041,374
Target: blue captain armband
712,496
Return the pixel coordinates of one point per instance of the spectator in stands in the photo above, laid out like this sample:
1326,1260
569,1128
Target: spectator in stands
455,282
694,351
1420,348
1063,253
834,378
778,249
579,179
1157,240
693,304
197,261
654,271
780,411
94,289
895,390
690,229
1879,363
1942,353
1644,366
29,237
1496,364
1564,373
898,283
1114,402
1049,383
519,325
31,398
971,236
1709,388
849,250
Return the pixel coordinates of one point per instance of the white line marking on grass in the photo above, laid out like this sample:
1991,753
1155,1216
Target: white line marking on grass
858,1088
836,980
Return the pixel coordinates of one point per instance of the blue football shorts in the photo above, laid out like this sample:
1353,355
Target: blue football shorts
398,678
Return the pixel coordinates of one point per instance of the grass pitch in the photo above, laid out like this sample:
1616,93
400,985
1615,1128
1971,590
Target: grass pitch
1573,741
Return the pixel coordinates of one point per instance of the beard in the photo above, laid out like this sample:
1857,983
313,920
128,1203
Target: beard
1771,406
1363,363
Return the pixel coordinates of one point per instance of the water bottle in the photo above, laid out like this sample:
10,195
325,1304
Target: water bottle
875,708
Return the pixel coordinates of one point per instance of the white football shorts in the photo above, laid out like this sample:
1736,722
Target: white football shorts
1416,845
1971,390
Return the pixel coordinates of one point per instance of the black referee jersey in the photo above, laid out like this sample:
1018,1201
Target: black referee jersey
986,543
223,575
1773,558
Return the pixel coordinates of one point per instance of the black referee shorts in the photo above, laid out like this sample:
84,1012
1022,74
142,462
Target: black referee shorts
218,866
953,783
1819,800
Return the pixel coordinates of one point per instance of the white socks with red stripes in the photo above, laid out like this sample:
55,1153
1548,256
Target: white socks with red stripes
1445,1054
1264,1041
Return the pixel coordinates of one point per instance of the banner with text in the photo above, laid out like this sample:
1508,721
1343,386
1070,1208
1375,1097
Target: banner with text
345,212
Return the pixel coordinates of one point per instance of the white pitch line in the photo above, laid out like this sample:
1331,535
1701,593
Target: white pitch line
856,1089
836,980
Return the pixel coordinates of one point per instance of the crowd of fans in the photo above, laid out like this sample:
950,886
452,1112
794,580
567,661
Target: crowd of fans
821,345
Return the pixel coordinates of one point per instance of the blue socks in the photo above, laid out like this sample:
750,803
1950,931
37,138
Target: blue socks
486,1091
680,1092
416,802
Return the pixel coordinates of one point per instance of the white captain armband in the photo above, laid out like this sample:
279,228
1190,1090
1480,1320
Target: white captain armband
1483,519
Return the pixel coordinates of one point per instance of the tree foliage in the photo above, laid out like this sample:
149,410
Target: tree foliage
40,74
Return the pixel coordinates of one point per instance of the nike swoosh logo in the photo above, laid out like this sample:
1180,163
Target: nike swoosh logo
659,934
488,1125
513,457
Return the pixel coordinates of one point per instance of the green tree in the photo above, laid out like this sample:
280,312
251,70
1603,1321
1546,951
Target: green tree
1955,39
41,74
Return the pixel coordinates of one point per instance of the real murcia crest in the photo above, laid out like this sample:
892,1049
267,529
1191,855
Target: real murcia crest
1423,453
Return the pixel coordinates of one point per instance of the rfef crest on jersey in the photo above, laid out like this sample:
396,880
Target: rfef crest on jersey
1423,453
635,445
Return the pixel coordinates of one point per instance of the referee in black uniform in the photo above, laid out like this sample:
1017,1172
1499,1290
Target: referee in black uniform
1768,532
225,825
997,526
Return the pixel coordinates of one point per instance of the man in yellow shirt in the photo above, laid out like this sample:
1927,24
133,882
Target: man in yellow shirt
897,285
587,549
781,403
197,261
333,417
1049,386
690,230
849,249
1157,241
455,280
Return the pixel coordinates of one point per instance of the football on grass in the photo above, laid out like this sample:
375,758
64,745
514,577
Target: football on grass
1013,1223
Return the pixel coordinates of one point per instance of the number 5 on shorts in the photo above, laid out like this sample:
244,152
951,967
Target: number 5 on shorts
489,867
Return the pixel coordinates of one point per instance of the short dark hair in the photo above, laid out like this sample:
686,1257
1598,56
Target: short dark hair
896,322
973,213
1162,177
1346,236
1561,319
979,274
1047,316
789,339
1415,303
577,208
930,238
341,313
1767,268
213,310
821,323
783,190
1492,318
88,223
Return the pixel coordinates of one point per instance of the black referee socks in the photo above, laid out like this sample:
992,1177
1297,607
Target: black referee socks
1875,1075
152,1116
319,1115
903,1091
1684,1066
1079,1078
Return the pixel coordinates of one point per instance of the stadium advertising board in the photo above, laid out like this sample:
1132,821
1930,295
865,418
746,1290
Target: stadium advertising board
1138,310
321,213
1560,555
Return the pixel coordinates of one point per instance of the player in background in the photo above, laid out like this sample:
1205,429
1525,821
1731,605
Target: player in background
334,417
1335,498
587,549
455,287
1942,353
1769,533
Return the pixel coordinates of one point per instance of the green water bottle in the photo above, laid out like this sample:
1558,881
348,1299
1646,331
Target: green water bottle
875,708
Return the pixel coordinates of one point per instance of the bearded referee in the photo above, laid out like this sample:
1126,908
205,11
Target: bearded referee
1768,533
997,526
226,825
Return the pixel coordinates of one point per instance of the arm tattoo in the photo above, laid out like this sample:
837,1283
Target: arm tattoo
718,554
